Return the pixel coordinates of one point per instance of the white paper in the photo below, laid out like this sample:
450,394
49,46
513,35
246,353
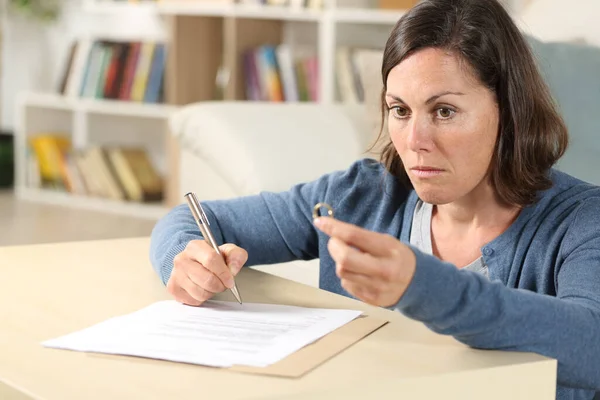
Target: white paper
218,334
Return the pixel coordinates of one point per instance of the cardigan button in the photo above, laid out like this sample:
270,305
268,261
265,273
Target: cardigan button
488,251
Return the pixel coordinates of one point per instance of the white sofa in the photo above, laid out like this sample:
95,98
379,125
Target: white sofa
239,148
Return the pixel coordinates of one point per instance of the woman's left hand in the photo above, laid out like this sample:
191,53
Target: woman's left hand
374,267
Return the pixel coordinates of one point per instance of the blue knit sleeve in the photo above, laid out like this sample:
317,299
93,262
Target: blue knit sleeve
272,227
488,315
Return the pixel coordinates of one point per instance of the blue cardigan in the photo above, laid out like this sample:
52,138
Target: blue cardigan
543,292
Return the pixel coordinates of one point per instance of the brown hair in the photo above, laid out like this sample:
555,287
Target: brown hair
532,135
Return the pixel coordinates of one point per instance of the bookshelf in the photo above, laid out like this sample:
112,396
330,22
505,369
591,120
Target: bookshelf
207,42
85,122
237,26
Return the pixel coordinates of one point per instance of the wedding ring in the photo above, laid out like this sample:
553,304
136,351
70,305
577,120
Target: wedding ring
317,210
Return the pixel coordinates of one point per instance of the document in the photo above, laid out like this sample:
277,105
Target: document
218,333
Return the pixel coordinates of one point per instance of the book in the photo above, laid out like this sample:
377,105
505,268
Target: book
115,70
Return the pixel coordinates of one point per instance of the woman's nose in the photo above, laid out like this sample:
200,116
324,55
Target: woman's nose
419,135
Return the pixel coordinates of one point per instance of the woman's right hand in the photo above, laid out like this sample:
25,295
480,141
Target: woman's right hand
199,272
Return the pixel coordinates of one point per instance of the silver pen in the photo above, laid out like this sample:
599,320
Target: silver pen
202,221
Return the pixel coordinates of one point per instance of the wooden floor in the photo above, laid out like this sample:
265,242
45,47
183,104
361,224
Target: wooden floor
28,223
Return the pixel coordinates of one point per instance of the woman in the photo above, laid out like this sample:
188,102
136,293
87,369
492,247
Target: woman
463,225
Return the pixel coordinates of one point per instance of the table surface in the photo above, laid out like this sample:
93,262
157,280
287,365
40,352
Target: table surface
53,289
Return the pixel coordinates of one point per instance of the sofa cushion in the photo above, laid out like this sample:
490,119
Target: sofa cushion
572,73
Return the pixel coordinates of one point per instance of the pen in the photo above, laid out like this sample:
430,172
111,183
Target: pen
202,221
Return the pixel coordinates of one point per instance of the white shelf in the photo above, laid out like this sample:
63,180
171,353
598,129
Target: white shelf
140,210
239,10
367,16
227,9
98,106
115,107
208,8
276,12
47,100
111,7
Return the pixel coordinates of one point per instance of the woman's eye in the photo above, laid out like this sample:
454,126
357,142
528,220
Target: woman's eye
400,112
445,113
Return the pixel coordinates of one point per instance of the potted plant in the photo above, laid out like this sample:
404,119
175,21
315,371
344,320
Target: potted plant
41,10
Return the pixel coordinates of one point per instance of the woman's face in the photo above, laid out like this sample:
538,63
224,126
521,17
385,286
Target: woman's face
443,124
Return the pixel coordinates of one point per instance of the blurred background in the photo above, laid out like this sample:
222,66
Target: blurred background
111,110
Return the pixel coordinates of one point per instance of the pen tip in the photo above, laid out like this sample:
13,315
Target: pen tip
236,294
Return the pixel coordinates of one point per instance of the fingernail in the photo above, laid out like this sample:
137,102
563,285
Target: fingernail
229,283
234,267
318,222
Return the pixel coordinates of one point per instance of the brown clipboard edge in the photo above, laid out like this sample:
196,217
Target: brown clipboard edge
313,355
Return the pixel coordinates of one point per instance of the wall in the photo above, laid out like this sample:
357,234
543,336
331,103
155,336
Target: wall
560,20
34,54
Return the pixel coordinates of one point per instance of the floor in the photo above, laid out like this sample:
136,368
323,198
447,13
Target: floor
28,223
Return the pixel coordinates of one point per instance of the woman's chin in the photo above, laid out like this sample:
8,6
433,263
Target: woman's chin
434,196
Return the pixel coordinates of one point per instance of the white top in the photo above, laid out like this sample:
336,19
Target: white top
420,235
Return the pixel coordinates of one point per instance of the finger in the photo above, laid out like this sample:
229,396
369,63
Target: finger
363,282
184,297
203,277
195,291
371,242
180,295
360,292
350,259
235,257
203,253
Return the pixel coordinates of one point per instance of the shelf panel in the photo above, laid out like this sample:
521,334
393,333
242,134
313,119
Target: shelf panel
228,9
347,15
218,9
111,6
140,210
99,106
48,100
284,13
367,16
115,107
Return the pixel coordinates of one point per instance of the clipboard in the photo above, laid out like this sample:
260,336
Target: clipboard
311,356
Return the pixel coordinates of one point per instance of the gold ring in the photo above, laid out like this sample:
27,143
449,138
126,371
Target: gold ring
317,210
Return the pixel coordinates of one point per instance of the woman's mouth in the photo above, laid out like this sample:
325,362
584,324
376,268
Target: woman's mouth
426,172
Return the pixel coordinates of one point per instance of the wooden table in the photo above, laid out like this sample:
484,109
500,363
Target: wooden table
53,289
